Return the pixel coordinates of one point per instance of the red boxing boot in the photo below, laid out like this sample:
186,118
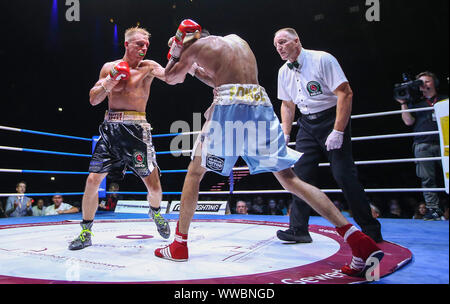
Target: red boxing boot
177,251
364,251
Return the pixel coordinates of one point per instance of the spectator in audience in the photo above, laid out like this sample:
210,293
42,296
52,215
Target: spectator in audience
59,207
258,206
338,205
375,211
241,207
273,208
76,204
394,209
39,208
19,205
283,205
111,198
420,211
249,206
410,206
2,209
289,209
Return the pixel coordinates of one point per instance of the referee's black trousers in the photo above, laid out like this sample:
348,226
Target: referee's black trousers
311,137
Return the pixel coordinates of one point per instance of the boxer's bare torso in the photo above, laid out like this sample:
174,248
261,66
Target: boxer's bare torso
224,60
131,94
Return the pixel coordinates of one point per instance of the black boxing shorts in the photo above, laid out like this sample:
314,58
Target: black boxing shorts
125,142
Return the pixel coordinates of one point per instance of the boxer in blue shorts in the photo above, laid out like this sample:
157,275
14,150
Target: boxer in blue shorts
241,122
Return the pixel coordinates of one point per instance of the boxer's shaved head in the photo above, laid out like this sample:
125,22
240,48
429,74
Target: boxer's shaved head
205,33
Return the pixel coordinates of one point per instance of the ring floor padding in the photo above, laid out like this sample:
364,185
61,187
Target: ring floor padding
223,250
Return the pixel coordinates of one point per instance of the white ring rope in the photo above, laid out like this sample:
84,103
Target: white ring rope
371,162
391,113
394,135
328,191
398,135
10,129
11,148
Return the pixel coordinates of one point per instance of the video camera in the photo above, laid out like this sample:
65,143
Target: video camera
409,90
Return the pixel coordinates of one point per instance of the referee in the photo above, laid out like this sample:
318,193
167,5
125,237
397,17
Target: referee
315,83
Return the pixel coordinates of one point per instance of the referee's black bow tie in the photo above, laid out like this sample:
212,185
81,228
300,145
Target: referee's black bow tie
292,65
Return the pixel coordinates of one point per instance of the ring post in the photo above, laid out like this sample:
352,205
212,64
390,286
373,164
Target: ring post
231,182
102,188
441,112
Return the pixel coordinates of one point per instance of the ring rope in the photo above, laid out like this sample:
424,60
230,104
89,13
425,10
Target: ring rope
234,169
173,152
287,192
363,162
73,172
390,113
43,133
386,190
41,194
43,151
295,123
198,132
176,134
385,136
394,135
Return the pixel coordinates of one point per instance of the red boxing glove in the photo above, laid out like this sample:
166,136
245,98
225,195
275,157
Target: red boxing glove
120,71
186,26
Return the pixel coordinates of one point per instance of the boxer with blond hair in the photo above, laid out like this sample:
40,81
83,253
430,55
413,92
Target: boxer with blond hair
125,137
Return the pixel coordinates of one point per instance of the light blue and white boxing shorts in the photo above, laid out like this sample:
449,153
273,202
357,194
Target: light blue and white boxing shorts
241,122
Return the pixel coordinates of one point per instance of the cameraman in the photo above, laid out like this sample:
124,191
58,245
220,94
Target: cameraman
425,145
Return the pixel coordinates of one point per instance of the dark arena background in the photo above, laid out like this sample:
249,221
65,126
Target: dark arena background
52,54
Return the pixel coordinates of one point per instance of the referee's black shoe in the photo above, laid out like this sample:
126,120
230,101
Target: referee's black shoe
376,236
291,235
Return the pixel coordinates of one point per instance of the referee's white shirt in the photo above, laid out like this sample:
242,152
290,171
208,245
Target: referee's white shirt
311,85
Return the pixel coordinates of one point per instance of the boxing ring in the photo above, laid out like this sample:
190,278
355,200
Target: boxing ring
224,249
